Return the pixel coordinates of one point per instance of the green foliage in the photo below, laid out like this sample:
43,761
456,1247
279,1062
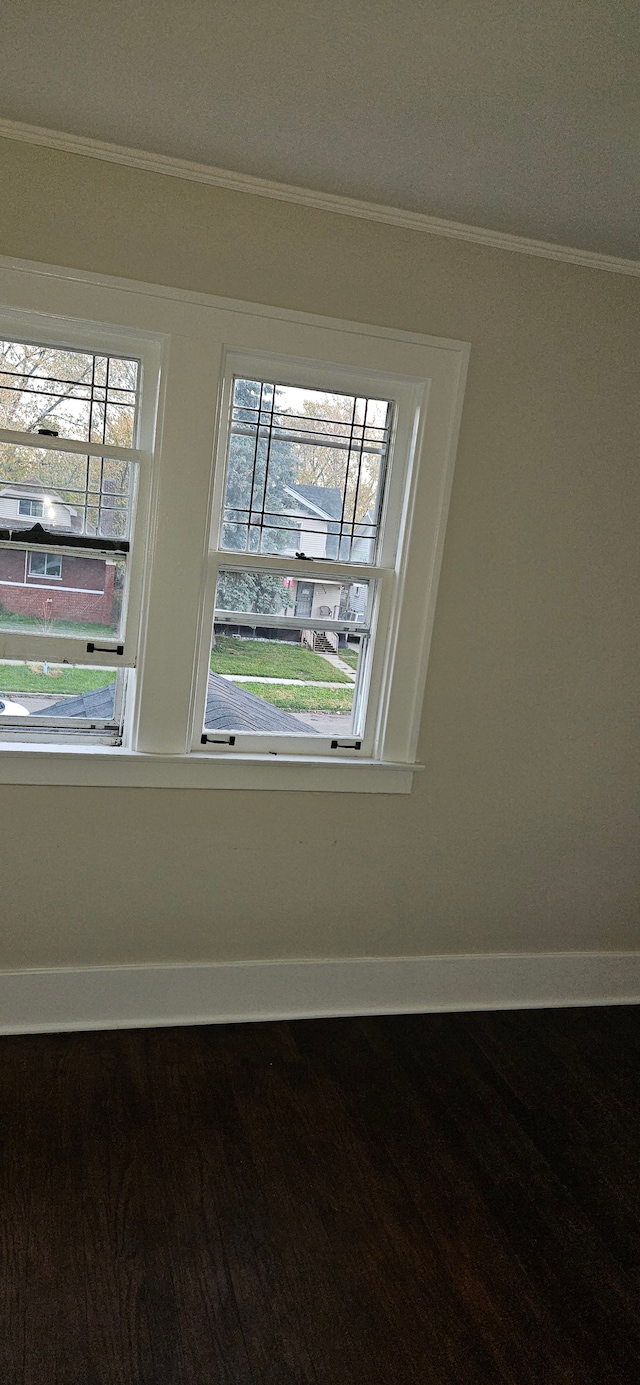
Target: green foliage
258,592
249,489
25,406
272,659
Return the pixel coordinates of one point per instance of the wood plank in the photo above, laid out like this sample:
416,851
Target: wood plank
411,1200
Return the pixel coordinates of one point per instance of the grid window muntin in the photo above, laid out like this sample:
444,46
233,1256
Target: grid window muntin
100,397
82,494
272,425
405,397
108,515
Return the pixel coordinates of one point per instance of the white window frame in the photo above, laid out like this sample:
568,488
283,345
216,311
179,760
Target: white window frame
53,576
384,574
188,344
34,514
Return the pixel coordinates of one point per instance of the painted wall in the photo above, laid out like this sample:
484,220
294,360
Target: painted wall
522,833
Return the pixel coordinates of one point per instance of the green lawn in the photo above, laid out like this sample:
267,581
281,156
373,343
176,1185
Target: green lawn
272,659
26,678
11,621
350,657
302,699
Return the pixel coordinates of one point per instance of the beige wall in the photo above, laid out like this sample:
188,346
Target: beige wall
522,832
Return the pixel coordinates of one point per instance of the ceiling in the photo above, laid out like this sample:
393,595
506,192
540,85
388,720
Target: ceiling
518,117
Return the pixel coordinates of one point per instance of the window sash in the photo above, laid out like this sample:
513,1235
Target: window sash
61,730
381,574
83,449
374,630
60,733
402,393
121,646
98,392
268,429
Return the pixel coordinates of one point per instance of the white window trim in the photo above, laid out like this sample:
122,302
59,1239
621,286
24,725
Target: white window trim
190,336
45,574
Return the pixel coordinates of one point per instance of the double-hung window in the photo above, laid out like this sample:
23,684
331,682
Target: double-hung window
307,551
220,533
71,508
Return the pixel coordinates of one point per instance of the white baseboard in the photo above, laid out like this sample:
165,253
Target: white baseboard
216,993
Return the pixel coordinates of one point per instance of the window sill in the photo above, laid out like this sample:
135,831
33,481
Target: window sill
113,767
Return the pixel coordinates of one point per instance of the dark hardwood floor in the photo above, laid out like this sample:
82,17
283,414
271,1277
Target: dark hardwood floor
438,1199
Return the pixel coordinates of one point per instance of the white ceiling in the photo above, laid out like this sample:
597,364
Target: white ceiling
518,115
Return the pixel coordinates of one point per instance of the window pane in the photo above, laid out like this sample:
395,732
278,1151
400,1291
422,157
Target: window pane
65,492
267,593
45,565
42,689
73,394
270,681
305,472
72,594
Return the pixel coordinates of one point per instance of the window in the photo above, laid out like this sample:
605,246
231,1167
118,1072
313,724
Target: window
45,565
30,507
220,531
69,582
305,544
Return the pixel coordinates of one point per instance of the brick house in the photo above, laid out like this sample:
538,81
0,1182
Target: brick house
51,585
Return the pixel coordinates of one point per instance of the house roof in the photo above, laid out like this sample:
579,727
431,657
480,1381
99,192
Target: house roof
98,703
327,499
25,488
326,503
229,708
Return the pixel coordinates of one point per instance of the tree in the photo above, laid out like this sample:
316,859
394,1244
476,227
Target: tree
259,470
79,408
259,592
319,464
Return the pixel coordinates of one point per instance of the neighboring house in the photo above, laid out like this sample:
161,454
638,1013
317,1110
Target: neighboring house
74,587
51,585
319,509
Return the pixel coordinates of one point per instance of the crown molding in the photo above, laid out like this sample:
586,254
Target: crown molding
307,197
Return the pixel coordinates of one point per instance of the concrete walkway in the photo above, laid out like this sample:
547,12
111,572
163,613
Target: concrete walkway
280,682
337,663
